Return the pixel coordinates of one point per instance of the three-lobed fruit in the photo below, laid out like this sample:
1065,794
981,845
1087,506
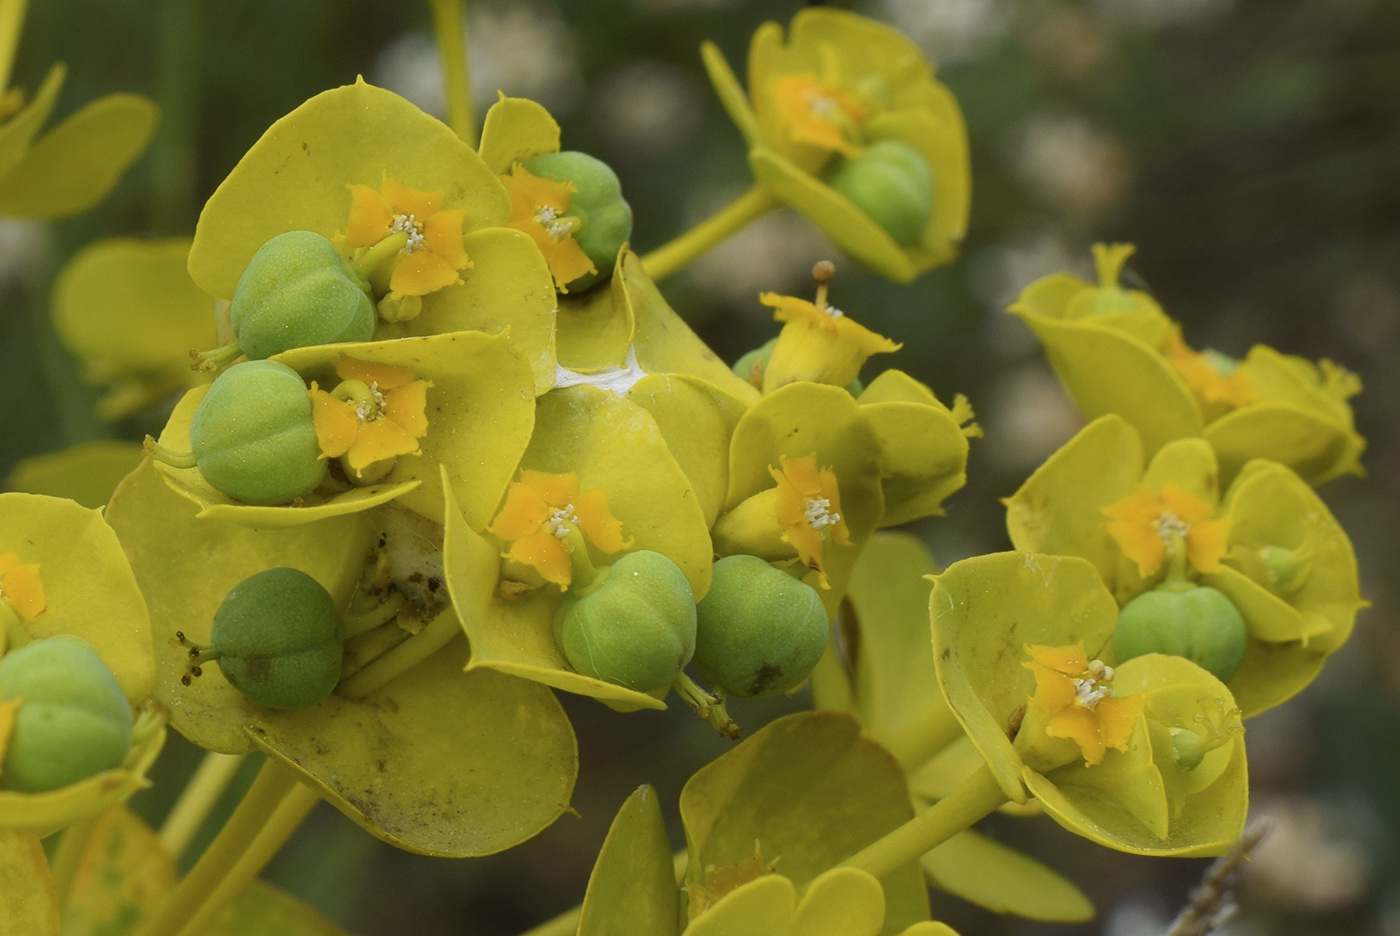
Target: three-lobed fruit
253,437
299,291
891,182
760,631
604,215
277,639
73,721
1198,623
636,629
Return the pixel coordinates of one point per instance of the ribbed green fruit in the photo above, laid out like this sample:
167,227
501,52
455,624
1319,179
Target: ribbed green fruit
605,215
1199,623
891,182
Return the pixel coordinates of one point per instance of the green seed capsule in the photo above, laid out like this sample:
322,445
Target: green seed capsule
1198,623
604,215
276,638
637,629
74,721
298,291
891,182
760,631
252,435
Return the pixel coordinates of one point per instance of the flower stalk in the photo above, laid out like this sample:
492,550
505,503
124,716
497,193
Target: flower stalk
450,28
669,258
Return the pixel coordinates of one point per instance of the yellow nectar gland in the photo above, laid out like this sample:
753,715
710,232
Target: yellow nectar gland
407,228
20,587
377,413
818,113
545,521
1077,696
537,207
808,508
1150,528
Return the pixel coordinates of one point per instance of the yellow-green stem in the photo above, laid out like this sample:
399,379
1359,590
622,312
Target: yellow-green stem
403,657
238,833
11,25
976,797
925,737
450,27
667,259
69,857
290,813
199,796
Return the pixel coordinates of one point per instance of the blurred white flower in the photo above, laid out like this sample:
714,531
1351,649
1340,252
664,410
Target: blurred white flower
648,107
776,253
521,47
949,30
1070,164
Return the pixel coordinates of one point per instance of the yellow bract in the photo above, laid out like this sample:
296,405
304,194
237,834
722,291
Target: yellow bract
839,82
539,512
822,345
433,254
1076,695
535,203
20,587
1145,524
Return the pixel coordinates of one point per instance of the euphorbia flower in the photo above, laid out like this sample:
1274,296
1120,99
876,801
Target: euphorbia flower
819,343
1147,526
808,508
1077,695
20,587
378,413
432,253
817,113
535,206
546,518
1219,382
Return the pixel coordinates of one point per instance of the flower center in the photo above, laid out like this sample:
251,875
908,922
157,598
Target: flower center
410,225
560,522
549,220
820,516
824,106
373,407
1094,685
833,313
1169,525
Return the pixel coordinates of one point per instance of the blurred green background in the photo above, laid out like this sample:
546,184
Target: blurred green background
1250,148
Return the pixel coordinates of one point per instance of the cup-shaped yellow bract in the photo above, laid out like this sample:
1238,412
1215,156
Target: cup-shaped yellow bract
990,616
87,590
479,412
428,760
1284,562
633,885
804,485
129,312
1116,352
924,444
839,82
599,442
786,793
298,176
73,166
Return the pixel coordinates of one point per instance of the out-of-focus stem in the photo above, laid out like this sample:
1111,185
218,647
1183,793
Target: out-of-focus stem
667,259
11,24
450,26
210,780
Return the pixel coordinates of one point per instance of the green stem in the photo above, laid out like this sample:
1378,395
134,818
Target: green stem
370,260
383,613
707,705
402,658
174,160
290,813
215,358
976,797
11,24
199,796
69,857
667,259
924,738
1177,579
242,828
168,456
450,28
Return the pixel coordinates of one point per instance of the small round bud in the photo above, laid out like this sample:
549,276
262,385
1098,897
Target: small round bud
73,721
276,637
605,215
1199,623
298,291
637,629
760,631
253,436
891,182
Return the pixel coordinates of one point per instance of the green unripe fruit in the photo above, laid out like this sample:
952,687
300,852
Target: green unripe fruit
637,629
605,216
1198,623
277,639
252,435
760,631
892,183
298,291
74,721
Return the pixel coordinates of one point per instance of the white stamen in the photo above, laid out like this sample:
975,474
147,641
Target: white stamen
1094,686
1169,525
559,523
372,408
824,106
410,225
820,514
549,218
833,313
